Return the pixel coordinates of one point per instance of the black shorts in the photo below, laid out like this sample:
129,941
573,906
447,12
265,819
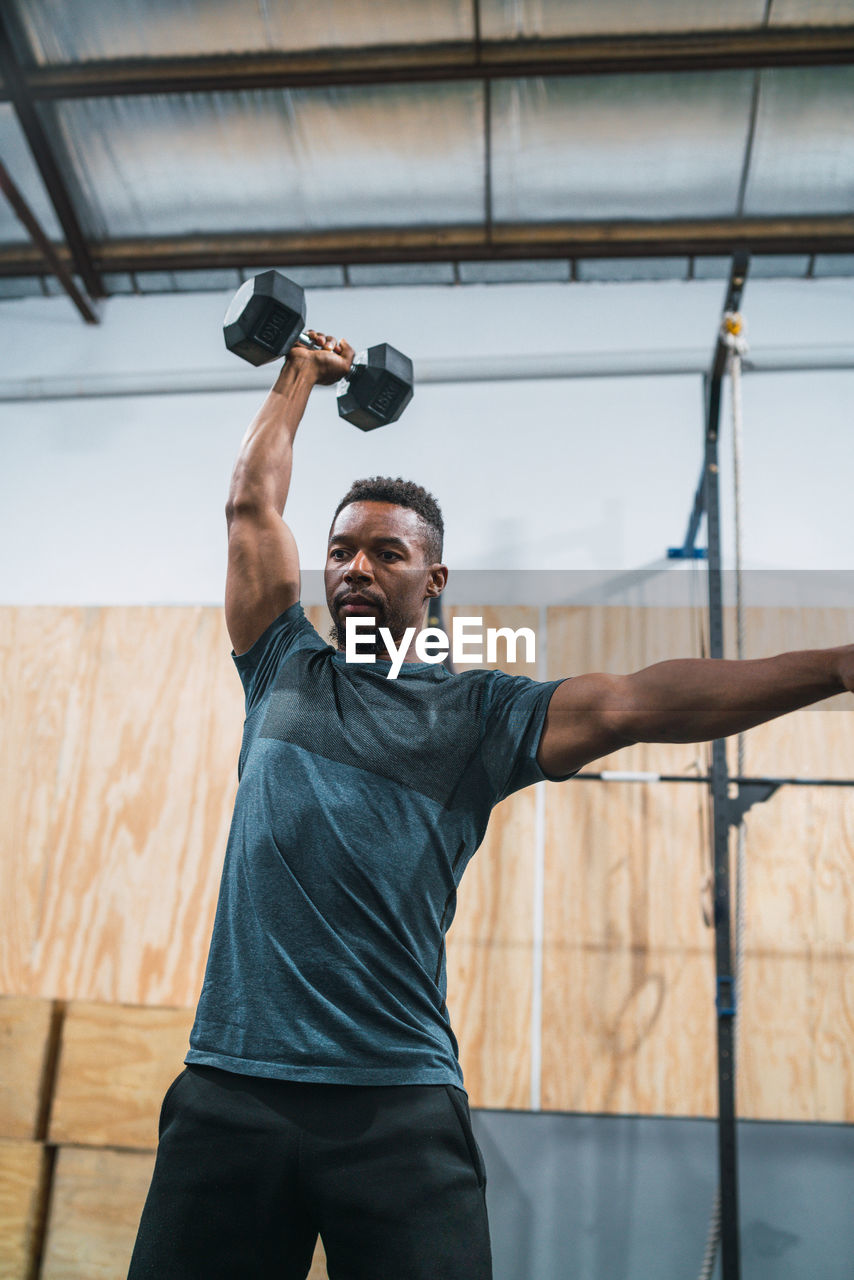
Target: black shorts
249,1171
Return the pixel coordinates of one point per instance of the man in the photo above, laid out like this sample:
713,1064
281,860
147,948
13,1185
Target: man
322,1091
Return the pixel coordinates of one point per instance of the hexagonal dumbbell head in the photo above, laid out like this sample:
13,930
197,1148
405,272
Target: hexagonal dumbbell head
265,318
379,388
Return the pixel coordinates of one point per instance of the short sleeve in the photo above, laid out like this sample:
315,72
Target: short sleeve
514,713
257,667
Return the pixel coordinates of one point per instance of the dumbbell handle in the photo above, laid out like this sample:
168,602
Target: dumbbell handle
359,361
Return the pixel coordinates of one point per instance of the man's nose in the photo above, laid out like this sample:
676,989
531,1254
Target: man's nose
359,567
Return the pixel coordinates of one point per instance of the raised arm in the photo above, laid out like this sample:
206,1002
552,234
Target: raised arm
263,561
686,700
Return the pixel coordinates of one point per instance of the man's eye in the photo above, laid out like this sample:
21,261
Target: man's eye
390,555
338,553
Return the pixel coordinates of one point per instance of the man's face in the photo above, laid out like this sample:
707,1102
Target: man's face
376,567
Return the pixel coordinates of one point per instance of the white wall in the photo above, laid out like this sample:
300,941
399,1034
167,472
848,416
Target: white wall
120,500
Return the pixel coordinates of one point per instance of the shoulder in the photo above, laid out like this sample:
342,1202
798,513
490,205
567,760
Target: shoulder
291,625
289,634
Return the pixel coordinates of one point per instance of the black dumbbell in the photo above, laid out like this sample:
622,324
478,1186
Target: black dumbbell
266,317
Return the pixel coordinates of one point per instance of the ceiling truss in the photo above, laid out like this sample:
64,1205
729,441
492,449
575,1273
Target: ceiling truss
47,153
33,89
459,60
702,237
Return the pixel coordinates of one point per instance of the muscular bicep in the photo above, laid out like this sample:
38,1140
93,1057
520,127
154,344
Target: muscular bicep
585,721
263,573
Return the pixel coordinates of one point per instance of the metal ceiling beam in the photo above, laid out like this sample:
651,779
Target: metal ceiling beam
45,152
452,60
701,237
55,264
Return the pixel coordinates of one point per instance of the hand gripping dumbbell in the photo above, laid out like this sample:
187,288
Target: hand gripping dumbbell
266,317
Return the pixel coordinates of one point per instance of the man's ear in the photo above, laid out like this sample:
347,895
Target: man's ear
437,580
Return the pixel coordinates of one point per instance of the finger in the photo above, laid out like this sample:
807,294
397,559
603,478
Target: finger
321,339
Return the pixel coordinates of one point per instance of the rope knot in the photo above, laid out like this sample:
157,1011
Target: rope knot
733,332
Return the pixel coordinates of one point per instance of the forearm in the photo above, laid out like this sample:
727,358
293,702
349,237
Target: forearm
262,473
697,700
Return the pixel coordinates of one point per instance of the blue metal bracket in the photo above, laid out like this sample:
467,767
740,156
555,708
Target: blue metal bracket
687,553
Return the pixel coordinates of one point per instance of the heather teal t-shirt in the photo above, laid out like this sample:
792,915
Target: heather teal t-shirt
361,800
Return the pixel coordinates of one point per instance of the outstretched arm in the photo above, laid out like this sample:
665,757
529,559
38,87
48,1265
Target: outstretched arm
263,562
685,700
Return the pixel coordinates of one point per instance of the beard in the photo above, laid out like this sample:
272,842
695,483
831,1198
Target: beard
388,615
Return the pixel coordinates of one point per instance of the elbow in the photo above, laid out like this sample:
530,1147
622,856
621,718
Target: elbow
247,502
629,718
248,492
253,497
239,504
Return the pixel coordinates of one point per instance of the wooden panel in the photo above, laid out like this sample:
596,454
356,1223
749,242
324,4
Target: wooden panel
628,1033
25,1042
800,870
22,1191
628,981
44,701
116,1063
95,1208
128,725
832,992
780,629
318,1263
628,978
625,865
318,616
797,1028
619,639
798,1003
625,945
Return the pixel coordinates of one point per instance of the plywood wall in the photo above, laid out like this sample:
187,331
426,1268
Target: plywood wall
580,966
121,732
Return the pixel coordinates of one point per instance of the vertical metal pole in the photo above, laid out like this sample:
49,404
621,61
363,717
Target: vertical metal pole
28,218
719,784
725,984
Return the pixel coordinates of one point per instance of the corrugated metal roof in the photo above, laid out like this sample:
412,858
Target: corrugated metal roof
451,144
811,13
803,149
619,146
272,160
580,148
95,29
550,18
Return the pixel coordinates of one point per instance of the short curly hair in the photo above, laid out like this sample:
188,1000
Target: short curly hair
403,493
